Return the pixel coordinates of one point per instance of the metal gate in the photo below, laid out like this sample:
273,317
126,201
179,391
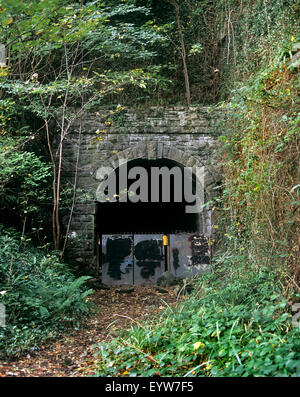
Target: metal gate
149,258
117,259
189,254
141,259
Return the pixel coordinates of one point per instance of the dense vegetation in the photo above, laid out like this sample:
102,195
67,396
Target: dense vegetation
65,58
40,295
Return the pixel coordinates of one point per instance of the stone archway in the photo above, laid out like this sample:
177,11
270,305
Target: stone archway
186,136
153,151
157,150
131,232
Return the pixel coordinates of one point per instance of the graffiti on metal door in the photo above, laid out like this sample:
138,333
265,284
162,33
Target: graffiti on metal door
190,254
149,258
117,259
141,258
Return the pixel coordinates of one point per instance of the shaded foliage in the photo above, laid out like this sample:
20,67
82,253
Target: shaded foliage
261,164
40,295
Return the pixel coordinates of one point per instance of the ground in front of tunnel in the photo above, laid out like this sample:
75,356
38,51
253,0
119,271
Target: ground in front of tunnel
72,353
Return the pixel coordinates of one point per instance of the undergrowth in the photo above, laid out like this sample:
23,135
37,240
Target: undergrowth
235,323
261,157
41,296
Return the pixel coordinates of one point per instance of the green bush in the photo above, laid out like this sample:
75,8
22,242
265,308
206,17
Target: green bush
236,323
40,294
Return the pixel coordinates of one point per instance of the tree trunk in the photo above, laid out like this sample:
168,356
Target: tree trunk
183,52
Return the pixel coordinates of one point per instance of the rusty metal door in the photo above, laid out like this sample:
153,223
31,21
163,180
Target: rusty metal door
189,254
149,258
117,259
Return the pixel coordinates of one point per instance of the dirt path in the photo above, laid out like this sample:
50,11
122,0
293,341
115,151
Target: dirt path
72,354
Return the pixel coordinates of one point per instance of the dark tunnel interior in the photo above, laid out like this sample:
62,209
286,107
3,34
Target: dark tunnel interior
147,217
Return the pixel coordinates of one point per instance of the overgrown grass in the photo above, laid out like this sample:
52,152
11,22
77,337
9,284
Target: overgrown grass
235,323
40,295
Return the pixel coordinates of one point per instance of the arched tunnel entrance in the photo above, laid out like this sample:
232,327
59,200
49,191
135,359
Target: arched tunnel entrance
145,228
